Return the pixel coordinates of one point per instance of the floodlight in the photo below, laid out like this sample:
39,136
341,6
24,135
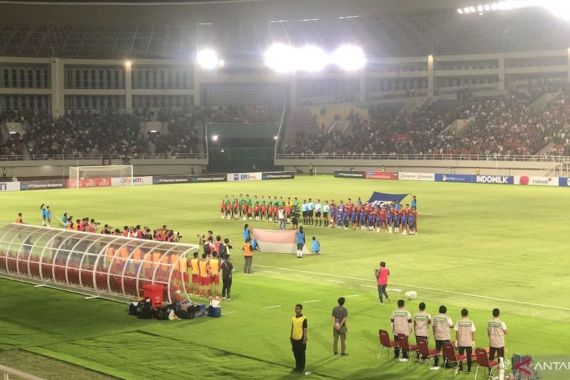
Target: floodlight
208,59
215,137
280,58
128,64
275,138
349,58
311,59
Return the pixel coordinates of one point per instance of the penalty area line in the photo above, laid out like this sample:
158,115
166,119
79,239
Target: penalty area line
555,307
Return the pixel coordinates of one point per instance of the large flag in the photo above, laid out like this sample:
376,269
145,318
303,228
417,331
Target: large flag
278,241
377,199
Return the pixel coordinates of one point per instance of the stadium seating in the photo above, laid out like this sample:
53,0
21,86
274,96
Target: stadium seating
499,126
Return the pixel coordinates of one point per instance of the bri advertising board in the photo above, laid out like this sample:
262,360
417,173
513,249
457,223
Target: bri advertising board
390,176
126,181
233,177
564,182
498,179
9,186
537,181
465,178
404,176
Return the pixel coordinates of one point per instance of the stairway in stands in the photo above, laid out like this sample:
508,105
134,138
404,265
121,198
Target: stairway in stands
300,121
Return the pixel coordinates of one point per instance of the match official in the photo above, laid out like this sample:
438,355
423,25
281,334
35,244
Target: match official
382,274
339,318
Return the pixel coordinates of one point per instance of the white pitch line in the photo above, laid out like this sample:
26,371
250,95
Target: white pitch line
368,286
267,271
396,290
230,312
428,288
352,295
270,307
337,281
311,301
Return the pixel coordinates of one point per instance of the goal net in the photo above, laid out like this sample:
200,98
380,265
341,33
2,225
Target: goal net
96,176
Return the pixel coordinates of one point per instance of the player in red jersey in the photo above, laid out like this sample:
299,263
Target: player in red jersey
250,212
236,208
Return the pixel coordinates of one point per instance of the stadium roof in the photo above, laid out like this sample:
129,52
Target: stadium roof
245,28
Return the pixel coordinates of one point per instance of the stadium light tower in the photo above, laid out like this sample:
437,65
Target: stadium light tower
349,58
312,59
281,58
208,59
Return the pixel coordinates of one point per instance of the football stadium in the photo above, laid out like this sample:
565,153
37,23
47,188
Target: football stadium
276,189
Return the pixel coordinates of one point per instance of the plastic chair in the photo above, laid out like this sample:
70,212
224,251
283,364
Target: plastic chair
424,350
450,356
405,346
385,342
483,361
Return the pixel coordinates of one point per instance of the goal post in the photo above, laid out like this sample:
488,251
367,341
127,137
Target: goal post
79,176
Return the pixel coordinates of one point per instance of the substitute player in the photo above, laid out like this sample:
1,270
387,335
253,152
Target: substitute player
204,275
214,270
194,264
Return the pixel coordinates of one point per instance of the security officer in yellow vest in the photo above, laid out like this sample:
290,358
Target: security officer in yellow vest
299,339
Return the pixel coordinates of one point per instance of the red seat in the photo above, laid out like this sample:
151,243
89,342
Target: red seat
424,350
405,346
87,278
483,361
385,342
450,356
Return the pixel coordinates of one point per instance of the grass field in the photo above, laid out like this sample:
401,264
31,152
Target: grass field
479,246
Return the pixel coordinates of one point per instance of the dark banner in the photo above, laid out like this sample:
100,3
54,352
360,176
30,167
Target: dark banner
42,185
349,174
208,178
160,180
277,175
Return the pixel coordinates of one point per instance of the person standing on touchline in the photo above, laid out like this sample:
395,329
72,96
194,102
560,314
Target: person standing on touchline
382,274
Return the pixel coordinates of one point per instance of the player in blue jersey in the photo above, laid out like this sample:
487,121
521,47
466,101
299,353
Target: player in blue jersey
354,217
362,218
389,215
404,223
370,221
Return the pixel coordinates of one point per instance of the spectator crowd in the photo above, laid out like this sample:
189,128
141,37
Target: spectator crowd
499,127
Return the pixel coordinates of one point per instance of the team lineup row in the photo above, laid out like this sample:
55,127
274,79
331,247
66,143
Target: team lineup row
389,216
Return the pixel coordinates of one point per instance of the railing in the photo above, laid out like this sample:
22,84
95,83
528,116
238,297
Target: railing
74,157
435,157
6,372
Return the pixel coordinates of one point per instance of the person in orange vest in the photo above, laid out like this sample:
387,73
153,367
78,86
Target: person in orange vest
247,256
204,275
214,269
194,264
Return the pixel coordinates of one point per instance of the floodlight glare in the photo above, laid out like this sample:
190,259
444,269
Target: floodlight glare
215,137
280,58
311,59
349,58
208,59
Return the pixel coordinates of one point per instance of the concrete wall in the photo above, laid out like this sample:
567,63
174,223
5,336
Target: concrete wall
422,166
60,168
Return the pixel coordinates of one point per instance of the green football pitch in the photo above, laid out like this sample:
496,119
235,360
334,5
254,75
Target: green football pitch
479,247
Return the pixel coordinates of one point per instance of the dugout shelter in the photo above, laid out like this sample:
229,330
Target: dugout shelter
105,266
